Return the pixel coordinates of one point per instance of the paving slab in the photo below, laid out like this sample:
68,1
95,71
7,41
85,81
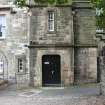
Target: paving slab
73,95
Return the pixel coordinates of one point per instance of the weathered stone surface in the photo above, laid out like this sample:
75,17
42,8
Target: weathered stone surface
15,39
102,74
5,2
63,26
73,39
85,27
72,29
86,65
66,59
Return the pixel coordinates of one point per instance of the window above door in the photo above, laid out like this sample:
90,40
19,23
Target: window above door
51,19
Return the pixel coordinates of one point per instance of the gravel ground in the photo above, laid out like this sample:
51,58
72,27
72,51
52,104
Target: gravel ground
83,95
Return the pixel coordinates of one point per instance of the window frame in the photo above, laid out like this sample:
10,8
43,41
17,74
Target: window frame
51,20
23,59
20,67
3,26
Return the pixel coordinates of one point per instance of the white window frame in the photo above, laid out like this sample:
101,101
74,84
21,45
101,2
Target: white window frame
51,21
3,26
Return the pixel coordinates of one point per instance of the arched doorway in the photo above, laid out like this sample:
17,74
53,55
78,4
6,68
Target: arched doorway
3,66
51,73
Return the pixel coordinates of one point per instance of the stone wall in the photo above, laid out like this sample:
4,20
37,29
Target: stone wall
63,33
102,74
85,52
15,38
5,2
58,42
85,27
67,72
73,39
86,65
74,30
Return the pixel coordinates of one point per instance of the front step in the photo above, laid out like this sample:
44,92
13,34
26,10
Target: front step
53,85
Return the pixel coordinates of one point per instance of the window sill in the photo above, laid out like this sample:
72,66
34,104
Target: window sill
2,38
21,73
51,32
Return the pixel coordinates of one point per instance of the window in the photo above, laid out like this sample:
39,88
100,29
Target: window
2,26
50,21
20,65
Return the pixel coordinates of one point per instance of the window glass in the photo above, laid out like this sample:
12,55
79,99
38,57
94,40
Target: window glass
2,25
50,21
20,65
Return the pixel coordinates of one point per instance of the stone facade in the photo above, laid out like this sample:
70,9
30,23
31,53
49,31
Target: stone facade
12,45
67,71
85,42
86,58
73,39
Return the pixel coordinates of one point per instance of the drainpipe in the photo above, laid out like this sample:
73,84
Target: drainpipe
30,61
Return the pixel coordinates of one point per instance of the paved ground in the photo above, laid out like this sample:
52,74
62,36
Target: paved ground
74,95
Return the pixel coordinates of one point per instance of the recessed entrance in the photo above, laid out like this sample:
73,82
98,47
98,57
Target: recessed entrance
51,70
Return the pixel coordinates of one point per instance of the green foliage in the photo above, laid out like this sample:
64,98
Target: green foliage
44,1
22,3
62,1
100,4
52,1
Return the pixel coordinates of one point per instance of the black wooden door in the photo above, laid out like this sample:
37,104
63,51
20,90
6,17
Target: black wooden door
51,69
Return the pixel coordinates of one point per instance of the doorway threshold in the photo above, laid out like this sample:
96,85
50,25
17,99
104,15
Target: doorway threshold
53,86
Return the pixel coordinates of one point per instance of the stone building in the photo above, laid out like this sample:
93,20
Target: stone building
13,37
62,44
55,45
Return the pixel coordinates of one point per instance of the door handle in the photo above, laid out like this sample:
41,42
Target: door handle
52,72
